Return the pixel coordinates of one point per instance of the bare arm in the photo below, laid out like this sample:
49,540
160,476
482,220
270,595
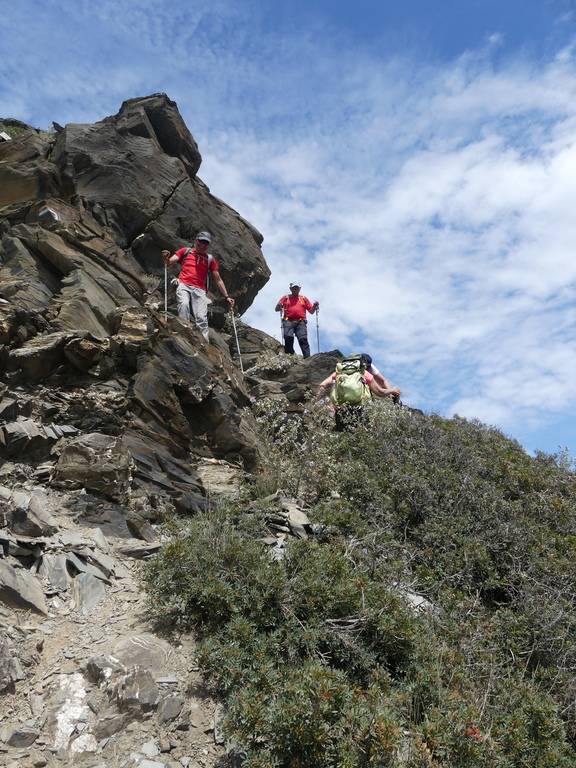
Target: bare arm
313,307
221,287
278,307
324,386
381,380
382,391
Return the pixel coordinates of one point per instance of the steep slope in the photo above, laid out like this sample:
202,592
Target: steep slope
401,595
112,418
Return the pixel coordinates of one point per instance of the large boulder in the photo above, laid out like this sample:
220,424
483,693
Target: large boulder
136,173
96,462
25,171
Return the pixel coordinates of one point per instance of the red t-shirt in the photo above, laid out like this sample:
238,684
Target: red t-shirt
194,267
295,307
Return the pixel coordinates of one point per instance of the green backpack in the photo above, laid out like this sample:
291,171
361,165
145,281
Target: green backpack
349,387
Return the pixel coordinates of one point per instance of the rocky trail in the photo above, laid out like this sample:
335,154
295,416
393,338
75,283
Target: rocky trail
86,680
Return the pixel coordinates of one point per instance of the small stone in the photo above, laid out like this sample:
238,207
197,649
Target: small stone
85,743
37,759
165,745
10,668
196,718
145,650
138,689
53,571
151,764
21,736
36,704
150,749
30,517
82,567
88,592
109,725
99,668
170,708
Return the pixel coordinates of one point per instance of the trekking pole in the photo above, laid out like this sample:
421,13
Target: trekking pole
317,330
165,292
237,342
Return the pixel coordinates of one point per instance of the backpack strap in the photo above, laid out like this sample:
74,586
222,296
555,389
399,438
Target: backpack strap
210,260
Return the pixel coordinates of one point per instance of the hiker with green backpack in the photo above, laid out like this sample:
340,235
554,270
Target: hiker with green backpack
350,387
196,264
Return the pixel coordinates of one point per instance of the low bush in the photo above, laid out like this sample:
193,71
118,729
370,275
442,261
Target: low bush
322,657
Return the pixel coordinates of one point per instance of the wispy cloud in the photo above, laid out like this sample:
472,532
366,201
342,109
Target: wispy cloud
428,207
454,257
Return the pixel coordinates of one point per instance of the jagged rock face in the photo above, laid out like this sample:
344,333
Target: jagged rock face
295,382
135,174
79,319
136,171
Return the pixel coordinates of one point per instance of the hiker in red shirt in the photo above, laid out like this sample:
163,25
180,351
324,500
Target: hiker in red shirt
195,266
294,308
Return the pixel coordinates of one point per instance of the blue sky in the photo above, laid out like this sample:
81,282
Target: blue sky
413,164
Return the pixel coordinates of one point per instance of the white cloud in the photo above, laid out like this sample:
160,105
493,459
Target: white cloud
455,262
429,208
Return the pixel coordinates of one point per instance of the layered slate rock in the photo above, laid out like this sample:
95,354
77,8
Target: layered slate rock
96,384
112,418
21,589
136,173
290,379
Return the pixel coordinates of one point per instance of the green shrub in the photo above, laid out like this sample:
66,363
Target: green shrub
321,659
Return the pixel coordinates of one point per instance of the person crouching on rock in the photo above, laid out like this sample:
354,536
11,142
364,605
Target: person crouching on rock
294,307
195,266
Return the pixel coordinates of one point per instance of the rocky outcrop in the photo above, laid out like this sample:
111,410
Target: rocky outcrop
128,400
289,379
136,173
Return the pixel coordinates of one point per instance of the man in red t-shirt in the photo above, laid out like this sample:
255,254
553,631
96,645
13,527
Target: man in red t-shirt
195,265
294,308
